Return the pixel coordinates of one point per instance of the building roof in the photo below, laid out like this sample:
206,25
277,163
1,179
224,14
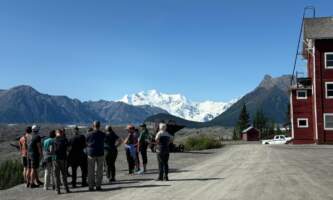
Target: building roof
318,28
249,128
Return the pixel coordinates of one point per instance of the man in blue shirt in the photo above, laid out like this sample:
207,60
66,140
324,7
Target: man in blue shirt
95,152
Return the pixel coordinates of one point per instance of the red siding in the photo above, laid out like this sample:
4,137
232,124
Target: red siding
323,75
251,135
302,108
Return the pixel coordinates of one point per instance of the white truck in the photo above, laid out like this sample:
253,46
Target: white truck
278,139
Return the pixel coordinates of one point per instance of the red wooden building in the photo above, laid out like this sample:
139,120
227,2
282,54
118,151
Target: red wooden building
311,98
250,134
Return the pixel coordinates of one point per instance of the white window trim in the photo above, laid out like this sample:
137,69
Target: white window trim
327,114
306,94
307,123
327,53
327,97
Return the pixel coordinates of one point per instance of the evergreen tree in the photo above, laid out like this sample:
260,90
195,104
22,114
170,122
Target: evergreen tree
243,122
260,122
244,119
234,134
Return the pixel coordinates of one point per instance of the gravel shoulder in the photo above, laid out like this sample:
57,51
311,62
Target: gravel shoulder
249,171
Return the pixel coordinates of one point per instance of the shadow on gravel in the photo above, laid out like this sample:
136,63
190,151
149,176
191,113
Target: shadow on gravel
120,188
197,152
155,171
122,182
197,179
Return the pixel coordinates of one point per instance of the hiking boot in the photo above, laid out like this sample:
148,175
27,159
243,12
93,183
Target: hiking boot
34,185
40,182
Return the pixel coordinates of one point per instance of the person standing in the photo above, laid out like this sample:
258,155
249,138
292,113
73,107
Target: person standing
60,166
131,143
143,145
111,143
24,154
95,151
163,140
78,157
49,157
34,156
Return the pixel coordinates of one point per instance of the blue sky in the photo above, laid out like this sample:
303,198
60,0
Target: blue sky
204,49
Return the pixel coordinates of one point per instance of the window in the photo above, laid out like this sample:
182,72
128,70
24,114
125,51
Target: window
329,60
328,121
329,90
301,94
302,123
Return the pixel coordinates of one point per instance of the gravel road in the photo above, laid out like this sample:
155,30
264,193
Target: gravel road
249,171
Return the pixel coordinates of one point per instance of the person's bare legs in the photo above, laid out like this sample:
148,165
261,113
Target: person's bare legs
24,174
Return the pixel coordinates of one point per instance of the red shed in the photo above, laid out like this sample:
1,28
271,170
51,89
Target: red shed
250,134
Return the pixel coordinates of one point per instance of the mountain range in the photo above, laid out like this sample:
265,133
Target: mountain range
23,104
178,105
270,96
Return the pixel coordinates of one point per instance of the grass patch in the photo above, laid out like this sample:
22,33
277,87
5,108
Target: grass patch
201,142
10,174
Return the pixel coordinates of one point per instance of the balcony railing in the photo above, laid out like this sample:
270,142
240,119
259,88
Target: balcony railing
303,83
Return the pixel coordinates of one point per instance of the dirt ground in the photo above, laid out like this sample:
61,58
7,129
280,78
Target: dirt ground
247,171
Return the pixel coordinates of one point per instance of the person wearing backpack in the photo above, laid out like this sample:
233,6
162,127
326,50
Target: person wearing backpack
49,157
163,140
143,145
95,152
111,143
35,155
24,154
60,166
78,157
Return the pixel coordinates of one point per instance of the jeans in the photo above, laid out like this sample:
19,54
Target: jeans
163,164
131,162
110,160
49,175
95,177
60,166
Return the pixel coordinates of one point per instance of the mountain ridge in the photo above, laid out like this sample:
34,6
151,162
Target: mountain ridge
24,104
271,95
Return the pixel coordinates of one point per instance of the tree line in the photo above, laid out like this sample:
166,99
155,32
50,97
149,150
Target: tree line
267,127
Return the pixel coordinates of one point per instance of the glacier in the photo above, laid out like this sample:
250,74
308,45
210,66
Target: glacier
179,105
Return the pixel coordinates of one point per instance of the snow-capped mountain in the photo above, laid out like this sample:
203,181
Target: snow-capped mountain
179,105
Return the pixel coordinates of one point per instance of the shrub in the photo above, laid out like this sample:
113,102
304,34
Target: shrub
10,174
201,142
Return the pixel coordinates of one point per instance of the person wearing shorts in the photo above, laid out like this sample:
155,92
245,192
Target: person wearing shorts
34,156
24,153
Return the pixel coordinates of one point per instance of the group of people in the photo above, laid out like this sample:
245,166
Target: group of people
90,153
